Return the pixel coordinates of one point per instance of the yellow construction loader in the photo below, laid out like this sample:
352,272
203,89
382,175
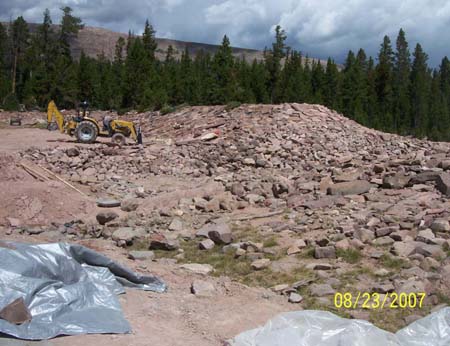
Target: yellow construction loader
86,129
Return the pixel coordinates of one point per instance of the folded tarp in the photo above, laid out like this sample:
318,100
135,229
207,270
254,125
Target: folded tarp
67,289
320,328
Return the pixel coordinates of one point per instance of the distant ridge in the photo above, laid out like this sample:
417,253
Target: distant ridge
95,41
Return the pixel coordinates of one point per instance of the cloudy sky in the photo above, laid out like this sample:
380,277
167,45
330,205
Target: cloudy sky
320,28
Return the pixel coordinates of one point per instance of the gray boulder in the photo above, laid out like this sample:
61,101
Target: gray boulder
220,234
105,217
130,204
356,187
325,252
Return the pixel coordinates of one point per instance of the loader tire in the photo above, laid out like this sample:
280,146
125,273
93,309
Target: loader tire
52,126
86,132
119,139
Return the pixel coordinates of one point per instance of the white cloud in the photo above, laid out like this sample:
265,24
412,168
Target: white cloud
318,27
331,27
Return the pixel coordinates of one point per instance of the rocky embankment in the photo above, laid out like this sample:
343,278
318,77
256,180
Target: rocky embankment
294,197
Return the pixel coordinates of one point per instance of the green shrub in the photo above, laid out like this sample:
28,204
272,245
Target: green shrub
232,105
11,103
392,262
349,255
166,109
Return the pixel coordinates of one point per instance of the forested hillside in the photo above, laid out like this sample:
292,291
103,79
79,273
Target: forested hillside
396,91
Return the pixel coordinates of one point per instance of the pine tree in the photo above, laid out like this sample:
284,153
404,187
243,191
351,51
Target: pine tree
65,91
103,82
371,105
438,126
273,60
318,82
244,92
348,85
42,60
360,78
118,71
305,84
70,25
19,39
4,80
170,73
223,69
85,80
384,84
154,95
445,81
419,91
288,78
135,74
332,86
402,70
197,78
149,41
259,76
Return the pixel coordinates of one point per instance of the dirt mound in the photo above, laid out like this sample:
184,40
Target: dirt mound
295,197
10,169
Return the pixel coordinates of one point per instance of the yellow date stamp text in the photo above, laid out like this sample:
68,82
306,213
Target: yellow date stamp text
366,300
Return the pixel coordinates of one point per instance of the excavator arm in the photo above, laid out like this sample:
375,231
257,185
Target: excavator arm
53,112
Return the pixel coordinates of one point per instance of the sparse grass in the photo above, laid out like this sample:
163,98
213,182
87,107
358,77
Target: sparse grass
180,107
351,276
269,278
270,242
443,298
350,255
307,252
248,233
40,125
166,109
390,319
392,262
446,249
232,105
239,269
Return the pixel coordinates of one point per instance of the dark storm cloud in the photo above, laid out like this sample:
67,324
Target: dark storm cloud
320,28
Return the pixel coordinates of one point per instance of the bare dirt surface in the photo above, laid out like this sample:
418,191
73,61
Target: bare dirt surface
283,202
177,317
173,318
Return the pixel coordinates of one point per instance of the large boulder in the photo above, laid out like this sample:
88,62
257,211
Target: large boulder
440,225
106,216
237,190
160,242
126,234
325,252
130,204
356,187
321,290
443,184
220,234
198,268
141,255
260,264
424,177
203,288
397,181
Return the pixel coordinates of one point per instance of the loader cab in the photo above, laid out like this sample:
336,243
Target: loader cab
82,112
83,109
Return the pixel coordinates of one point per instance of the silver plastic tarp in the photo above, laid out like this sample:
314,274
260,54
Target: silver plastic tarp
68,289
320,328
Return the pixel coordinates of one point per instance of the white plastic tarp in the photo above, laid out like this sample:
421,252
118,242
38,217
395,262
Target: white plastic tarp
68,289
321,328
